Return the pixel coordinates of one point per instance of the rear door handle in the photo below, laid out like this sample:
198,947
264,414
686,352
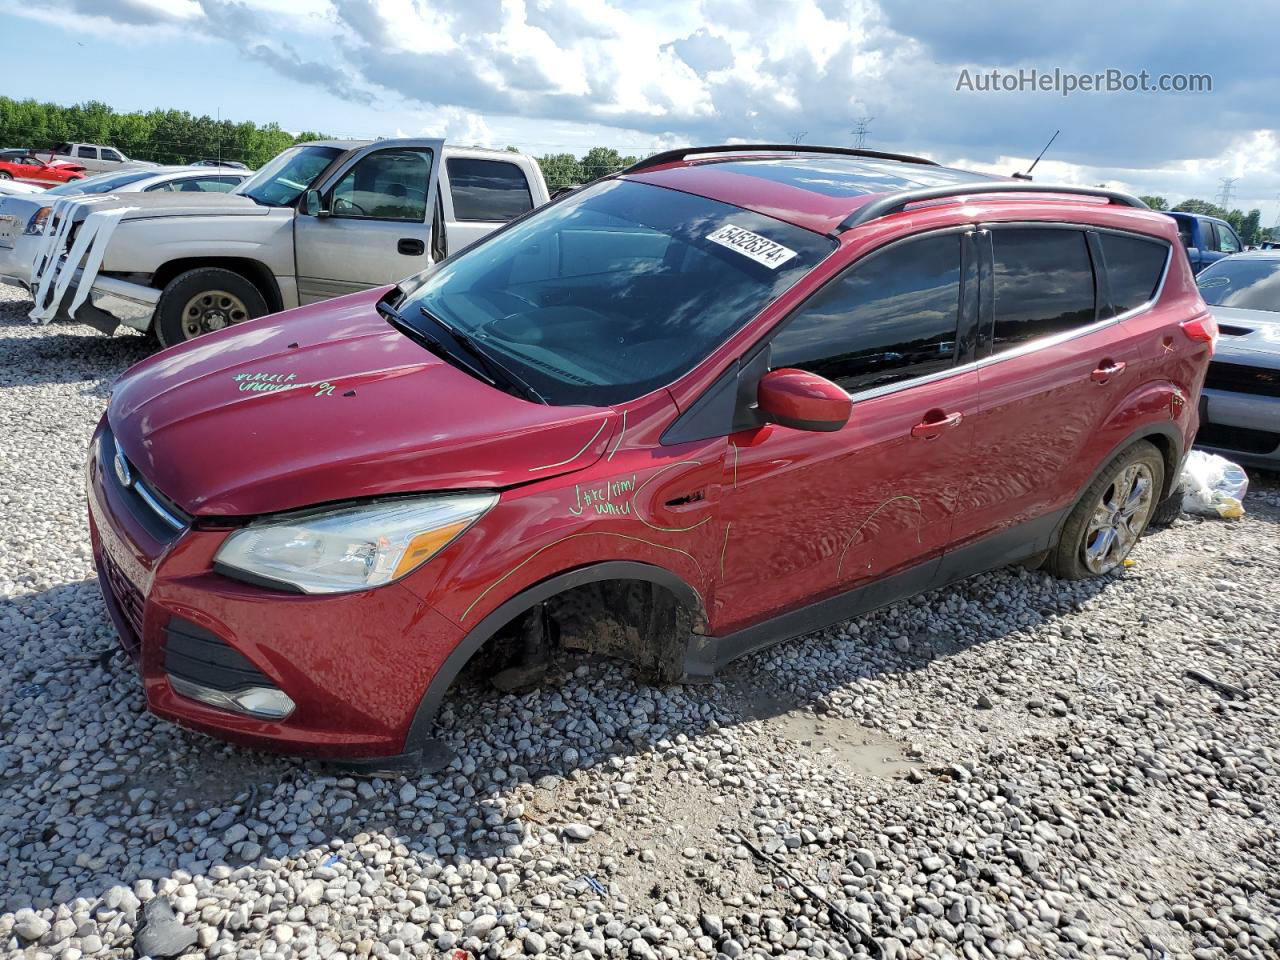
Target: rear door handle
411,246
934,424
1106,370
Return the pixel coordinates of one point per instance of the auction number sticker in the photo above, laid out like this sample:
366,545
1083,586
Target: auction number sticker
758,248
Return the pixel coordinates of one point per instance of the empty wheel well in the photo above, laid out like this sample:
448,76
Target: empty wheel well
633,611
253,271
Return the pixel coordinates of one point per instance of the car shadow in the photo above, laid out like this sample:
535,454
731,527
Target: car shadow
183,791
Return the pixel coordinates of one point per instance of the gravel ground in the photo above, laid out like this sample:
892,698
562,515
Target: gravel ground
1013,767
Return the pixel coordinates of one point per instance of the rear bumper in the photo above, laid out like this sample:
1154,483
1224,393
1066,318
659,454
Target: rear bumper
1243,427
356,666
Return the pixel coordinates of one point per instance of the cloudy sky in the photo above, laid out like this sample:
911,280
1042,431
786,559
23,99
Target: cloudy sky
550,75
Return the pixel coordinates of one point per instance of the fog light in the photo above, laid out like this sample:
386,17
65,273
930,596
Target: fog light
266,702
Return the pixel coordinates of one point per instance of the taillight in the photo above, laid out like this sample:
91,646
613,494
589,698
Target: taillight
36,223
1202,329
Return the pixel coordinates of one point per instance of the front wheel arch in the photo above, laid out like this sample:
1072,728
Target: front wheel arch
418,739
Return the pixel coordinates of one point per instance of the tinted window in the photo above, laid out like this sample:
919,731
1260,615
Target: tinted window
1134,268
891,317
1043,284
111,155
1208,235
487,189
1244,282
87,153
615,291
387,185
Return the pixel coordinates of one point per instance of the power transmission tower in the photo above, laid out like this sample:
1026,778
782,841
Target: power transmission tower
1228,186
798,137
859,131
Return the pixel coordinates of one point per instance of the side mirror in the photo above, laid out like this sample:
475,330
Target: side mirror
312,205
803,401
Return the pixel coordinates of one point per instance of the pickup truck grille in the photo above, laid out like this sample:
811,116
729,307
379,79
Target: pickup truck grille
1239,378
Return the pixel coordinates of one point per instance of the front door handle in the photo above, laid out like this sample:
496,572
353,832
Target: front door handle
411,246
1106,370
934,424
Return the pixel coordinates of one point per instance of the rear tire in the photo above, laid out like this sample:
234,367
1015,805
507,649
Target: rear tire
5,175
1110,516
203,300
1167,510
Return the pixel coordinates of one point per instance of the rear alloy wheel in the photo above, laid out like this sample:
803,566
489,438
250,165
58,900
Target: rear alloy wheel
5,175
204,301
1113,513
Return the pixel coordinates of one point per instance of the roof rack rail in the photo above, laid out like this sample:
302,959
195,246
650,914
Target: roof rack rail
671,156
897,202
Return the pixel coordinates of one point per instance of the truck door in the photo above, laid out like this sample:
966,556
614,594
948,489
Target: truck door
374,222
481,195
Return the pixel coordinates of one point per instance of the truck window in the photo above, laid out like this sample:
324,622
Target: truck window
490,190
87,153
1208,236
111,155
386,185
1227,240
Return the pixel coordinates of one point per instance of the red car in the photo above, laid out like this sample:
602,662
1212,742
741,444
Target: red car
723,398
42,173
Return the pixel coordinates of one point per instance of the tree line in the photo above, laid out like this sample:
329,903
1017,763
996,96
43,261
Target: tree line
176,136
1248,226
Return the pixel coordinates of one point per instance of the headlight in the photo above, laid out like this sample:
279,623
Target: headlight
352,548
36,223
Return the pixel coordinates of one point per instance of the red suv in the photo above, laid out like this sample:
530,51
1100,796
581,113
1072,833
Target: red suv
723,398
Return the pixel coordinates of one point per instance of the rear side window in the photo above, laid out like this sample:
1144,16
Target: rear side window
889,318
1043,283
487,189
87,153
1208,236
1134,269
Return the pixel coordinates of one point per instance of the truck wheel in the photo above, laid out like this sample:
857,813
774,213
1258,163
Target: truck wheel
1113,513
203,300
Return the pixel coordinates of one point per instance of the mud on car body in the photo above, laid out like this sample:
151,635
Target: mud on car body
721,399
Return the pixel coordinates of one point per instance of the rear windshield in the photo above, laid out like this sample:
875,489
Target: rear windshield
1250,284
103,184
616,291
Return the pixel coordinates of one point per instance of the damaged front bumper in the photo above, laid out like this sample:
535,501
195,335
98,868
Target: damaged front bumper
110,303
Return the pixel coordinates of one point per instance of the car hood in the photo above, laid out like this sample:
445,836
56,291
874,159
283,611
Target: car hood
1246,336
328,403
145,206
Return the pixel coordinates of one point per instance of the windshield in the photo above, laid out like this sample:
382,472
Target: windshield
616,291
1249,284
103,184
281,181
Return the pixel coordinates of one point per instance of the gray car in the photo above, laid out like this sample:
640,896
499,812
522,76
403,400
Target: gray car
20,216
1240,405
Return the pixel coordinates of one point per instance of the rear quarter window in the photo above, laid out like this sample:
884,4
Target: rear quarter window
1134,269
487,189
1044,284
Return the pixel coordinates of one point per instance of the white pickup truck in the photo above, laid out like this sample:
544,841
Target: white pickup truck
320,220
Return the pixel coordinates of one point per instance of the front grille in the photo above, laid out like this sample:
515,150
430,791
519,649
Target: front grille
1238,378
161,517
128,598
200,656
1241,439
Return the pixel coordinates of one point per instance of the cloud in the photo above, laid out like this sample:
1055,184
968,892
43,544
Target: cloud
703,51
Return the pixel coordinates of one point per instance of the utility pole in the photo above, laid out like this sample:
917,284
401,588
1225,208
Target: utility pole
859,131
1228,186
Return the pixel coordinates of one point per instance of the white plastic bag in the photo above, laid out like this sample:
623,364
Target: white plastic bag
1213,486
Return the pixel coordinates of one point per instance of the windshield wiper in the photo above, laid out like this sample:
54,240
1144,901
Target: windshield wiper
496,370
435,345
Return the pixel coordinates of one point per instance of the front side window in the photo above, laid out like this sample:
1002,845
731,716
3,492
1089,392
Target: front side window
386,185
1134,269
112,155
1043,283
1227,242
490,190
1246,283
281,181
891,317
616,291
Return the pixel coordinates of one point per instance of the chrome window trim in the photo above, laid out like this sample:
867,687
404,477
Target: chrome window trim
1044,342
